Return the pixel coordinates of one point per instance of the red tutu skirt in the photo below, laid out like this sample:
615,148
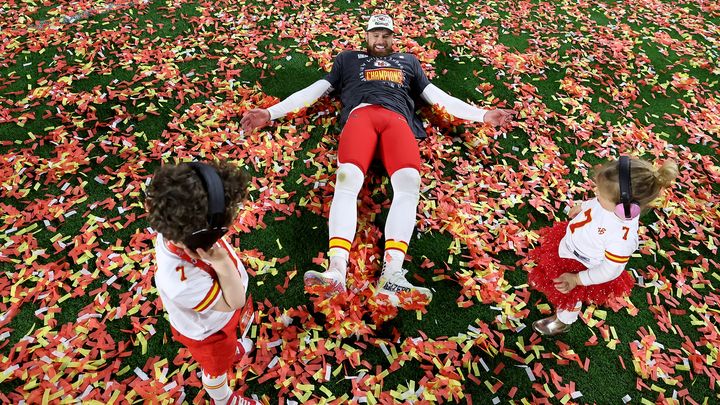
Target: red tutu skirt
550,266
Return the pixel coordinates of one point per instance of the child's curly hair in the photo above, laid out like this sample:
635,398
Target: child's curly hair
177,203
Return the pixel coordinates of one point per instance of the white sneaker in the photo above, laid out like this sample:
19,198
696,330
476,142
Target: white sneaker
243,348
333,278
237,399
395,282
246,344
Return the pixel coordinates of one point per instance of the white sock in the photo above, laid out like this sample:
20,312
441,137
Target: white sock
402,217
339,263
568,317
217,388
343,210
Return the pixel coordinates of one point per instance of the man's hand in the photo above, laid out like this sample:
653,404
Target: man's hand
566,282
499,117
255,118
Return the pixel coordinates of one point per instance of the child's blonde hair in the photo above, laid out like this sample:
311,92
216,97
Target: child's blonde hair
646,182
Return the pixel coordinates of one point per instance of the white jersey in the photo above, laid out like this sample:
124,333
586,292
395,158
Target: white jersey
601,241
189,289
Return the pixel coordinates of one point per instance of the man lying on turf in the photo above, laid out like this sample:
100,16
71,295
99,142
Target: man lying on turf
377,87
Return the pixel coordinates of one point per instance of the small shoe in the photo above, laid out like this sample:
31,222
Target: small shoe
244,346
237,399
550,326
395,282
332,278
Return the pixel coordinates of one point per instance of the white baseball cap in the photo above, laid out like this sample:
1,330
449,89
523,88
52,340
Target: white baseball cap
380,21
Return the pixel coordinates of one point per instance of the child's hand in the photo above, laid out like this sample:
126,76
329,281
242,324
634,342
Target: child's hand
575,210
215,255
566,282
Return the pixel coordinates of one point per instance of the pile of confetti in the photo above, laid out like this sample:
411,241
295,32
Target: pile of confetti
94,96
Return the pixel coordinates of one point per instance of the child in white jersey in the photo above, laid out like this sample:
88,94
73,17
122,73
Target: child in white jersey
200,280
584,260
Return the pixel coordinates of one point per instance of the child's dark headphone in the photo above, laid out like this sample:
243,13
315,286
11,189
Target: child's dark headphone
205,238
627,208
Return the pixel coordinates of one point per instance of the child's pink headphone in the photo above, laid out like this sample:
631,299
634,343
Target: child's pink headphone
627,208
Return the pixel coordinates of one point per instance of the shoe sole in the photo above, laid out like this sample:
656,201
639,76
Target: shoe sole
393,298
312,278
544,333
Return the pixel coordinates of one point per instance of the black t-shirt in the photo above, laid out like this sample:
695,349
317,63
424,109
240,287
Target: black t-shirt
394,82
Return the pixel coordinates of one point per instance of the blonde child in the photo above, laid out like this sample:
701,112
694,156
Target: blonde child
583,260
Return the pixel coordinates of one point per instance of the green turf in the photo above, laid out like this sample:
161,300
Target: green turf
235,54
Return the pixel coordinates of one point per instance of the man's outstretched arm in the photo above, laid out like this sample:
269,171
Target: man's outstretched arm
259,117
460,109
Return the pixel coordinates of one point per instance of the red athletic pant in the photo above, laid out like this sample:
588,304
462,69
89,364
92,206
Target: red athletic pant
215,353
375,128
